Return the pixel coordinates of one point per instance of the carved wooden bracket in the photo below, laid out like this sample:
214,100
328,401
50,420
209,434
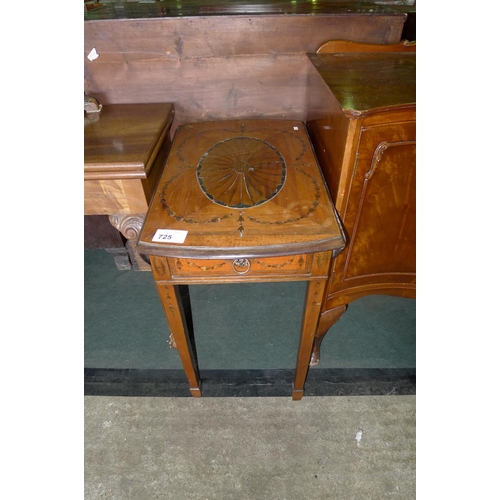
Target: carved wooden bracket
128,224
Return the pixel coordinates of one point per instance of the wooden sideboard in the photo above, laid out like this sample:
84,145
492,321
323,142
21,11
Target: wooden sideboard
362,122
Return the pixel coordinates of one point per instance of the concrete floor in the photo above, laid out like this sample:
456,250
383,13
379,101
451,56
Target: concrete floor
360,447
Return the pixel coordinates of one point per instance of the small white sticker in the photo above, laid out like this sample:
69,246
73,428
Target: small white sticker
295,128
93,55
170,236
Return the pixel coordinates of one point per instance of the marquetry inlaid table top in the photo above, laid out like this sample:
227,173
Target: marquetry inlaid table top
241,188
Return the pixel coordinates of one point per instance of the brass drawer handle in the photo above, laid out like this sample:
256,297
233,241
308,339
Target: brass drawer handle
242,263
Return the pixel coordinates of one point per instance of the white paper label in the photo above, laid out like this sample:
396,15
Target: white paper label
93,55
170,236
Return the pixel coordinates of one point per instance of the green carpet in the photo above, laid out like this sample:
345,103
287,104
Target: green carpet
237,326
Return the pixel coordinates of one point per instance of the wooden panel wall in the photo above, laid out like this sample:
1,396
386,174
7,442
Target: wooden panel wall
219,67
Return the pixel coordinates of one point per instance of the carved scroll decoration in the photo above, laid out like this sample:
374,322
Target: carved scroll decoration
128,224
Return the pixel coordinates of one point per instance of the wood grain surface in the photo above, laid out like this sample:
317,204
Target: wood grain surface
219,67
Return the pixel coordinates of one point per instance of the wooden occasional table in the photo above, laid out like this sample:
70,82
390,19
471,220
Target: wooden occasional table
125,148
241,201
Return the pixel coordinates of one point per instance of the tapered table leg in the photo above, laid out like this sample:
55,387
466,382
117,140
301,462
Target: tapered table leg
172,304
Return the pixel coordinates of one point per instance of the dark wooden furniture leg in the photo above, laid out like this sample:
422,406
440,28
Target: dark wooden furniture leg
174,310
326,321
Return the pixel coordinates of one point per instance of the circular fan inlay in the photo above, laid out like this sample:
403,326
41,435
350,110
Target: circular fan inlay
241,172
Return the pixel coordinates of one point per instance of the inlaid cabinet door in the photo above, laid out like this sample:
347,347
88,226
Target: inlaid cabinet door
381,208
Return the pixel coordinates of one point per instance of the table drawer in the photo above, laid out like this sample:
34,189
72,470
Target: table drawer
267,266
